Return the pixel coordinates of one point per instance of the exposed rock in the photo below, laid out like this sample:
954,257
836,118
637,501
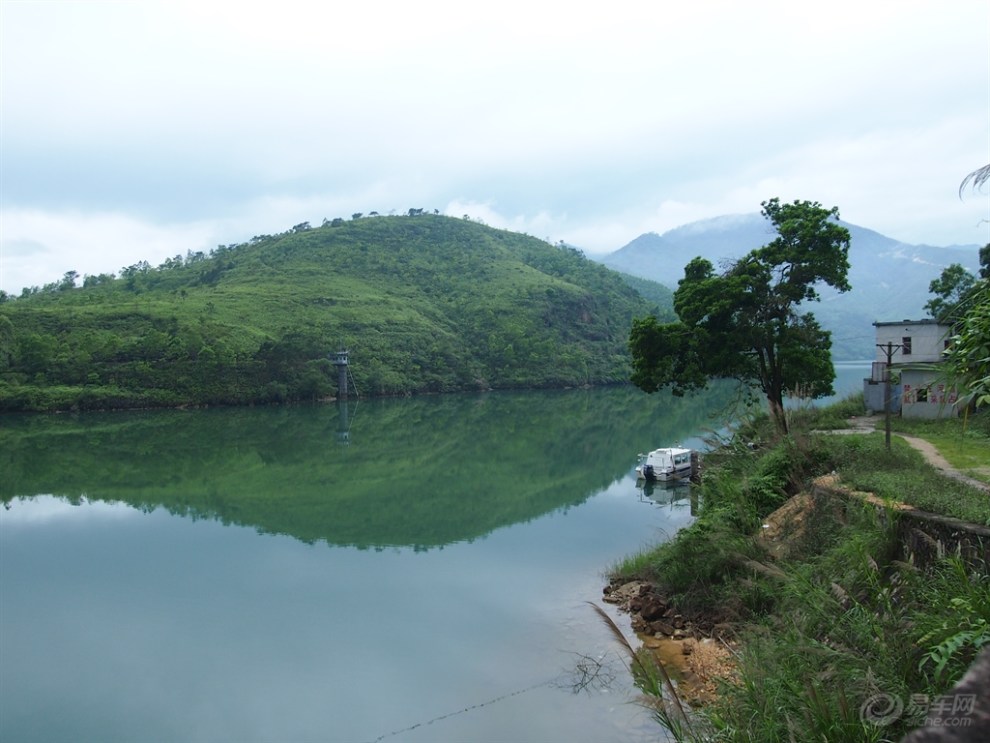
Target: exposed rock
650,607
660,628
683,645
623,593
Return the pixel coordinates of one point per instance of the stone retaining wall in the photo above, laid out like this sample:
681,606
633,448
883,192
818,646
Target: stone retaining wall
923,537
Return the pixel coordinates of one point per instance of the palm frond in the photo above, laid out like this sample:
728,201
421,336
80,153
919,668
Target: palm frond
977,178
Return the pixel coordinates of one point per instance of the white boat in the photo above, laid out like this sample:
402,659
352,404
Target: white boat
670,463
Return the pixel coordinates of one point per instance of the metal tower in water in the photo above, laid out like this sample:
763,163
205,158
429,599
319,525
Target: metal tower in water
340,361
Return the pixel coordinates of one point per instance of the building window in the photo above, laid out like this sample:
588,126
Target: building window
906,345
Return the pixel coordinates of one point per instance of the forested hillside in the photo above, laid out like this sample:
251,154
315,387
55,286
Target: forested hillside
424,303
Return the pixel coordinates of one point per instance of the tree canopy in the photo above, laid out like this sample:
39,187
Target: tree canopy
744,323
952,288
949,289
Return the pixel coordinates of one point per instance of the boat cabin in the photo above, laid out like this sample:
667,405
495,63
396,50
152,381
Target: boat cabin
665,464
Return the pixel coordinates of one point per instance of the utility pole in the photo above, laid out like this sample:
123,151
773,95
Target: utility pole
889,352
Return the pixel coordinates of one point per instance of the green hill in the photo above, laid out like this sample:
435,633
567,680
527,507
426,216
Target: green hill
424,303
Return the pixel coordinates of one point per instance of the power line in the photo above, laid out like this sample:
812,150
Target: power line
462,711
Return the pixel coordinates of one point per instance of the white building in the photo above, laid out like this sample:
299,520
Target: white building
913,350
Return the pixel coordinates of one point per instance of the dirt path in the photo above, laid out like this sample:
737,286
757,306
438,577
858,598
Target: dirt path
936,460
868,424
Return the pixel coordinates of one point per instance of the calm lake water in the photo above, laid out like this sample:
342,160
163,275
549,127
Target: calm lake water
390,570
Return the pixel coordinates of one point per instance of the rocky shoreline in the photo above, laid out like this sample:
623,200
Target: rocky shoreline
693,650
650,612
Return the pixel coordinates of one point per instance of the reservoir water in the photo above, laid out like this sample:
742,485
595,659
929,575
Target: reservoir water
387,570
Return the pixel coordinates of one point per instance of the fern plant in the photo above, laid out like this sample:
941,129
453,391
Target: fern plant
962,629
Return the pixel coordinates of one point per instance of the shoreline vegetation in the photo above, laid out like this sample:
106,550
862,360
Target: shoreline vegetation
792,612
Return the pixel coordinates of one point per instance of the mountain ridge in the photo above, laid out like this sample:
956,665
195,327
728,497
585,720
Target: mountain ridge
889,278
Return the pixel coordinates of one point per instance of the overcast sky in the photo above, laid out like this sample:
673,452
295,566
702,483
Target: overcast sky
140,130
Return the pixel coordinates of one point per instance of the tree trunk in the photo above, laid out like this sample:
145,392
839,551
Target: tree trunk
777,412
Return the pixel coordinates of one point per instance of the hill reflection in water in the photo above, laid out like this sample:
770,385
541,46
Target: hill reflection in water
418,472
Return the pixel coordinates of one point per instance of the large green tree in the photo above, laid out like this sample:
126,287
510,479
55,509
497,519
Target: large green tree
953,286
949,289
744,322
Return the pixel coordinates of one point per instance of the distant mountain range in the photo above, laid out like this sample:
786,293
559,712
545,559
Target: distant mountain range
889,278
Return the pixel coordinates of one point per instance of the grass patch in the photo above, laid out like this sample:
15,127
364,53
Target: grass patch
832,417
850,625
901,474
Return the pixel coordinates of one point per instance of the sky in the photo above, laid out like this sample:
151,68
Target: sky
138,130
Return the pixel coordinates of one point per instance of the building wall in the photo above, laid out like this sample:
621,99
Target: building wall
914,343
922,396
927,341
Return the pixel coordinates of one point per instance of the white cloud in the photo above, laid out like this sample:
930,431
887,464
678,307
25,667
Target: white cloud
169,126
38,247
540,225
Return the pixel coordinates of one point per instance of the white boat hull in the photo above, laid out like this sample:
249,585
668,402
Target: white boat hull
662,465
663,475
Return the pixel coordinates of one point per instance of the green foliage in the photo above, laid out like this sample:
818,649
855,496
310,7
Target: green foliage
955,621
667,354
835,416
651,291
769,485
949,290
744,323
424,304
838,635
967,358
